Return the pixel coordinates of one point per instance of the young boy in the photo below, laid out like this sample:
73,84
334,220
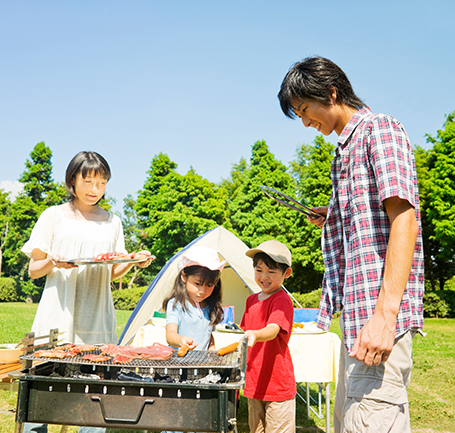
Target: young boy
267,321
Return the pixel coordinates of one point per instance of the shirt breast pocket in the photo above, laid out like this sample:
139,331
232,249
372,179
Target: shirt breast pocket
362,188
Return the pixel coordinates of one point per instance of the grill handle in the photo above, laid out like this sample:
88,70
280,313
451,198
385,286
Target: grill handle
118,420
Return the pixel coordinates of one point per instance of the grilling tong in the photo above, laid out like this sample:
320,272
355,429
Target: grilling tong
271,192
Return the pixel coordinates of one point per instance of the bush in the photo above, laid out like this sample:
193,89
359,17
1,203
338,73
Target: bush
308,300
29,291
9,289
127,299
439,303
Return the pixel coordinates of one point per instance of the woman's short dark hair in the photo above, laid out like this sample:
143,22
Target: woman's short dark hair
85,163
315,78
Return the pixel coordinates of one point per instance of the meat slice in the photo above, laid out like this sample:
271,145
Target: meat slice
96,358
122,359
80,348
58,354
155,352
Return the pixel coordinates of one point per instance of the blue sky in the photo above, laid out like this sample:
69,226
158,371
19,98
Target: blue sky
198,80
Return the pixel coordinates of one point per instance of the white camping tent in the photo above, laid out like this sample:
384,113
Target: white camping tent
237,280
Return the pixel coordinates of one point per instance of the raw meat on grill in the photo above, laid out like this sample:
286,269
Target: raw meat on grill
96,358
155,352
66,347
78,349
122,359
59,354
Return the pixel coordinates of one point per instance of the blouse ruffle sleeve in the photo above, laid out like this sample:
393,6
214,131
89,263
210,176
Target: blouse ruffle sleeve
42,233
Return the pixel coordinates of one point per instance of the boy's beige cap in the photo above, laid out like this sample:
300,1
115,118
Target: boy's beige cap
274,249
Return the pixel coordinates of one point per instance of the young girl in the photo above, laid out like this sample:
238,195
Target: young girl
77,299
193,307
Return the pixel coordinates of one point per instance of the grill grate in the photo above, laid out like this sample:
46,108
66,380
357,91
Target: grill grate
193,359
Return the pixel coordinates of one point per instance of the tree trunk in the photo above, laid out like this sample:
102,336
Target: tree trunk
130,284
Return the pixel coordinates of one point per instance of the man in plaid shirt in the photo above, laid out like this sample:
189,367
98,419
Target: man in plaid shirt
371,244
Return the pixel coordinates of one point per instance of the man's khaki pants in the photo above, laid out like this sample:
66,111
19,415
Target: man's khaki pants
374,399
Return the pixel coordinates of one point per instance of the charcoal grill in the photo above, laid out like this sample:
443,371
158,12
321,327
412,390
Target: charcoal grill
177,394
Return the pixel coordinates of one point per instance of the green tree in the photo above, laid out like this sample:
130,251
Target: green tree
40,192
440,202
37,178
173,210
256,218
311,169
133,242
5,215
24,214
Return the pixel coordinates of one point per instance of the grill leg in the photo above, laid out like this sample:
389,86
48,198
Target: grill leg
19,427
64,429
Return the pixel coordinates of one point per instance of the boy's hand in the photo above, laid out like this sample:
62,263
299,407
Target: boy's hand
252,337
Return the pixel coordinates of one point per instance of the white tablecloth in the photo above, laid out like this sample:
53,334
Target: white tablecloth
315,356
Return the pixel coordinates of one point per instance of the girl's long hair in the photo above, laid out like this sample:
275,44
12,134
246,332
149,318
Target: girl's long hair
180,294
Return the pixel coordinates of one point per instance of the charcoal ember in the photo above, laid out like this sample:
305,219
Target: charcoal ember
129,375
163,379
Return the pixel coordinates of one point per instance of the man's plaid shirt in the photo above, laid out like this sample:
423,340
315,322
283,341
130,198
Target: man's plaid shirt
373,161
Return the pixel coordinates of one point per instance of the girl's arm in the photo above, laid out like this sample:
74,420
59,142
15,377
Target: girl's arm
41,265
212,343
174,339
265,334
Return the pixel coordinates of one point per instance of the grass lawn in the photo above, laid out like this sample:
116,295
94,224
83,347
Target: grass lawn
431,393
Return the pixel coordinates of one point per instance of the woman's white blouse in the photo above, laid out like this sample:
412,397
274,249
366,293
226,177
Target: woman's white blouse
77,301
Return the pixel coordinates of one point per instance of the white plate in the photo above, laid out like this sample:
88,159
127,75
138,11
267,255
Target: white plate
308,329
221,328
90,261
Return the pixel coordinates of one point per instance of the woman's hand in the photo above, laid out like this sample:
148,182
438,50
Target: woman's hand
41,264
147,262
56,260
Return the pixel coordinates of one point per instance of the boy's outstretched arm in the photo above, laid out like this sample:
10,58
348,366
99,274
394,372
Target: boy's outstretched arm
260,335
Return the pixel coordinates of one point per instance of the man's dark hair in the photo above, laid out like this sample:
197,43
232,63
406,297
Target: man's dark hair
272,264
315,78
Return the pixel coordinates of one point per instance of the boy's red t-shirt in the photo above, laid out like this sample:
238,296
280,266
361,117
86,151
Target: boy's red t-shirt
270,372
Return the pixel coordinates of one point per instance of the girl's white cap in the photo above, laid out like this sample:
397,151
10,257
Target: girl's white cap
202,256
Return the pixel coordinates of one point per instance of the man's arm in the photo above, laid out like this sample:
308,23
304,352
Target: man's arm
374,343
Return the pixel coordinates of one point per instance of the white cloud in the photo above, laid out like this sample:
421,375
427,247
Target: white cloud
13,187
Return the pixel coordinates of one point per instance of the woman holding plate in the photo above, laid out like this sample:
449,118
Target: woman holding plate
77,299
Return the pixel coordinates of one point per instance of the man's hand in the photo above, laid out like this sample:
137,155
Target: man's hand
319,222
374,342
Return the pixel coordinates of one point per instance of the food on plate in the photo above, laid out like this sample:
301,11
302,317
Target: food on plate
228,349
111,256
96,358
297,325
183,350
120,256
